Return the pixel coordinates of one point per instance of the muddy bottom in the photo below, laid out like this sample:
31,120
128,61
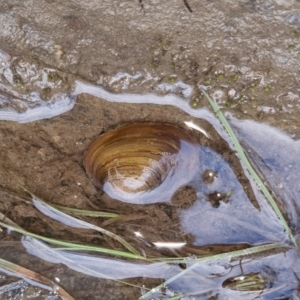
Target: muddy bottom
51,166
216,211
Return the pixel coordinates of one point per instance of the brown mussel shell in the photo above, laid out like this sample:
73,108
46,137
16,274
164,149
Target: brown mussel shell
142,162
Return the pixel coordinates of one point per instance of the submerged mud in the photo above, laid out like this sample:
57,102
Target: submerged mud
205,216
56,173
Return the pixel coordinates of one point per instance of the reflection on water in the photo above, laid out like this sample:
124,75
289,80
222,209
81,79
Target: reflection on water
202,279
234,222
142,163
276,156
231,219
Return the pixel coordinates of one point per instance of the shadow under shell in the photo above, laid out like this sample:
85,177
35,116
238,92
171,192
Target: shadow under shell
142,163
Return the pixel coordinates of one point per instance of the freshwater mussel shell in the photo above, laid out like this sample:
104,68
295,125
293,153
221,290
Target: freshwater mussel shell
142,162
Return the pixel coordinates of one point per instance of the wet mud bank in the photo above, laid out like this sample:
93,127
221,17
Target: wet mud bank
246,52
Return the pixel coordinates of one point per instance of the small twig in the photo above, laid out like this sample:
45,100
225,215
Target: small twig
141,5
184,1
187,6
240,264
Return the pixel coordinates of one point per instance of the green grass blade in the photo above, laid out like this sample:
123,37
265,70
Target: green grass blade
56,252
248,165
87,213
228,255
51,211
81,223
76,246
8,221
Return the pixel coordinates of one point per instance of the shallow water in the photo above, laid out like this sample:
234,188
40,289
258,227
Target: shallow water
233,222
71,70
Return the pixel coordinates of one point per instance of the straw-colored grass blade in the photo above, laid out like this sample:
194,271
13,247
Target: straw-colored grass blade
33,276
